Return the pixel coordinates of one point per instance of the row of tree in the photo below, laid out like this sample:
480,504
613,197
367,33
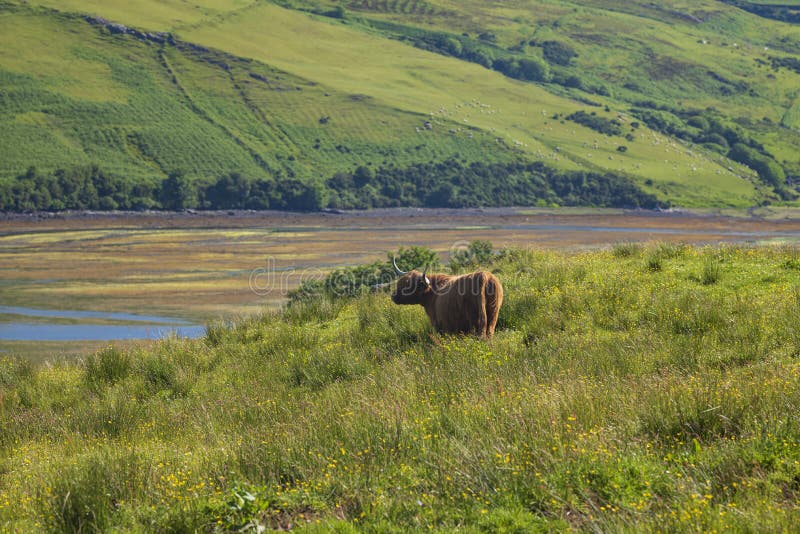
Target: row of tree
452,183
513,62
706,128
785,12
449,183
77,188
596,122
92,188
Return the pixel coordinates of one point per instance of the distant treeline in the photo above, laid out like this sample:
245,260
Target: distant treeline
92,188
707,129
77,188
777,11
449,183
515,62
454,184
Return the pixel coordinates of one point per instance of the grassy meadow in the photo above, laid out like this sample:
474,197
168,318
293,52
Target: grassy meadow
640,387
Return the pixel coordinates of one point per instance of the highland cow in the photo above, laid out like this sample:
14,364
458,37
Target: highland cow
465,304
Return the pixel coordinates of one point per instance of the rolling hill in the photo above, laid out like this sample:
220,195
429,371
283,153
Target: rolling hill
396,102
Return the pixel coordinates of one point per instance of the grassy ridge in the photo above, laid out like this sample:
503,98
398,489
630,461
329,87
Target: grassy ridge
142,109
449,89
301,107
635,388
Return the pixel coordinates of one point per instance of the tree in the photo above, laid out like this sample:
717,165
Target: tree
699,122
229,191
558,53
338,12
482,57
453,46
444,196
507,65
530,69
362,176
767,168
573,81
314,198
716,139
177,192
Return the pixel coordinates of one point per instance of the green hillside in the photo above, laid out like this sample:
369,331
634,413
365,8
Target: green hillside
657,98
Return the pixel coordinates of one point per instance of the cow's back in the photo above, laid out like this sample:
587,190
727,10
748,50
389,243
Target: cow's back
467,304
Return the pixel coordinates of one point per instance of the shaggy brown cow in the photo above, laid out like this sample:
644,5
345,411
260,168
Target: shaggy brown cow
466,304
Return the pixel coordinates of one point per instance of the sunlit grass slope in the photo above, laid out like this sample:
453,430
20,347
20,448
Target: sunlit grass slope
638,388
342,95
442,87
682,54
143,109
663,50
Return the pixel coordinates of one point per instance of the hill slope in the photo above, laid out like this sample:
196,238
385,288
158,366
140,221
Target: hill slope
303,93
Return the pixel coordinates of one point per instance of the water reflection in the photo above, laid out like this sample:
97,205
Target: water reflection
157,328
76,314
92,332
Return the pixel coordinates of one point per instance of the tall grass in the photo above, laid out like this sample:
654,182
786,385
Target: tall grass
613,397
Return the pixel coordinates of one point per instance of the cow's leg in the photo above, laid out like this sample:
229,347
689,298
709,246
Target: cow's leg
494,299
482,319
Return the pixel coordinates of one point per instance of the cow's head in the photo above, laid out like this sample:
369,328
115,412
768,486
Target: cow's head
412,287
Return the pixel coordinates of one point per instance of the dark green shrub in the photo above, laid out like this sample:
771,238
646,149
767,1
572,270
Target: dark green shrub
596,122
654,262
160,375
478,253
558,53
352,281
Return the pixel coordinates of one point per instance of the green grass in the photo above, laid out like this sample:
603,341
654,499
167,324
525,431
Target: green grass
254,105
141,110
412,79
614,397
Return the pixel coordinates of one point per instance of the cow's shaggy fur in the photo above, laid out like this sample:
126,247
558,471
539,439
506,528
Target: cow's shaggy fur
466,304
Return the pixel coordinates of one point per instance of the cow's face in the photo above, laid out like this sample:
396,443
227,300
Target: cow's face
411,288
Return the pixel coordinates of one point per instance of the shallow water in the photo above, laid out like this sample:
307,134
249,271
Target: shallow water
76,314
92,332
157,327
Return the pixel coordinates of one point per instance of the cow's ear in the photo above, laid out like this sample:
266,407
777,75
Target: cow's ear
425,277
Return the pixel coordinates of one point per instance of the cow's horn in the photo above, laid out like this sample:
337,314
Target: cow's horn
396,268
427,281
